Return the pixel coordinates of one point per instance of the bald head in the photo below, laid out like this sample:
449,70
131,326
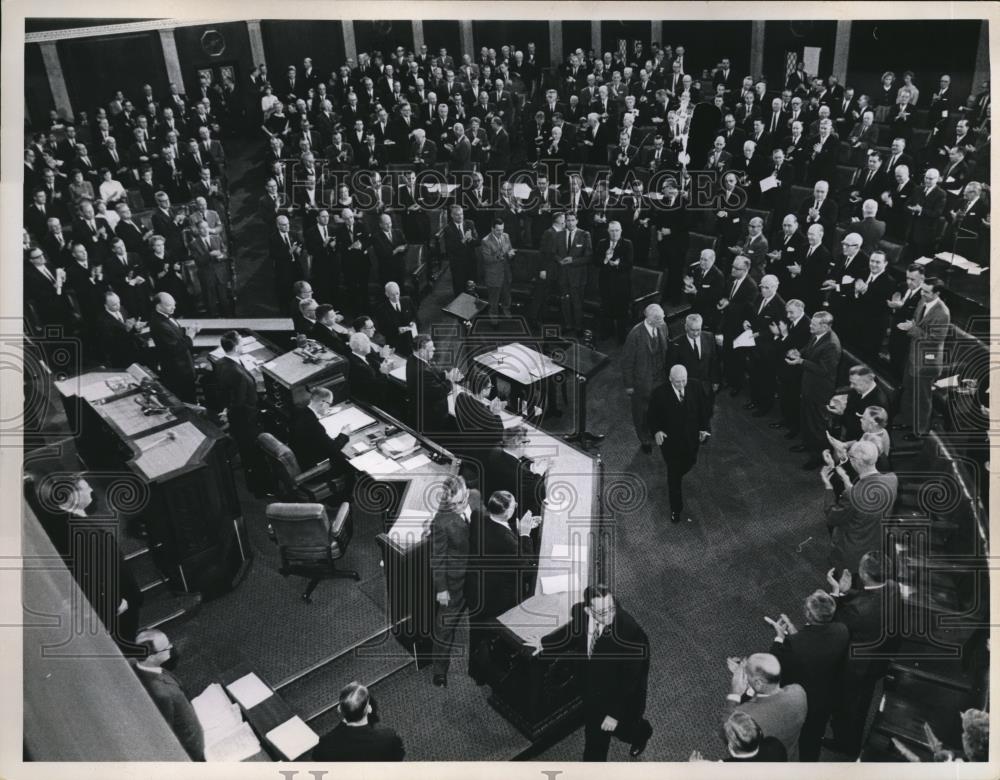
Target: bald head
763,672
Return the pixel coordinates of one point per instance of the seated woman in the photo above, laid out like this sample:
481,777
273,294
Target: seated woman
79,188
111,190
873,425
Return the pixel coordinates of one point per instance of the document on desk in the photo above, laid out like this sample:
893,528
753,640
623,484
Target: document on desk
341,417
249,690
293,738
770,183
227,736
374,463
247,344
924,260
417,461
399,444
745,339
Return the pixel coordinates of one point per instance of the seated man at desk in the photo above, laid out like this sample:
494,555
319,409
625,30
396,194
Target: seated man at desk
428,388
308,438
479,424
366,383
325,332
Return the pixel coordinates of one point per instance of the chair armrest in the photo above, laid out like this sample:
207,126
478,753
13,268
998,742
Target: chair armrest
318,470
339,520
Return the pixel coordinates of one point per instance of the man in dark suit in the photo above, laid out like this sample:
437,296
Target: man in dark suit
736,309
396,318
352,243
501,570
614,260
238,392
285,250
460,240
366,383
173,348
610,653
863,609
812,657
390,251
705,285
767,309
927,206
428,388
819,360
307,437
679,420
574,256
118,334
455,531
867,308
928,331
167,693
357,737
696,350
791,332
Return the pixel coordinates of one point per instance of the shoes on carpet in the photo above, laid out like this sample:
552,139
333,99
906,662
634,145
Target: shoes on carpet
441,680
776,425
675,517
797,448
637,749
749,405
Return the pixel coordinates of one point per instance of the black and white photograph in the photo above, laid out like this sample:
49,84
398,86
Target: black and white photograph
496,382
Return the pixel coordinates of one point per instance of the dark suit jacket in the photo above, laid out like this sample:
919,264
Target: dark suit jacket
389,321
856,405
680,422
814,658
428,391
310,442
503,568
819,368
359,743
120,347
170,699
739,308
863,611
390,266
614,678
366,384
450,547
238,389
705,369
173,347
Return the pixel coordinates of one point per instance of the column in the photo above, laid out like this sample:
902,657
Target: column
656,34
555,43
595,36
418,34
350,46
256,42
757,49
468,43
841,49
57,82
982,72
171,59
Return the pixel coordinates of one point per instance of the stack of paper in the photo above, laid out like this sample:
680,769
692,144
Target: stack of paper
398,445
374,463
745,339
249,691
341,417
227,736
961,262
416,462
293,738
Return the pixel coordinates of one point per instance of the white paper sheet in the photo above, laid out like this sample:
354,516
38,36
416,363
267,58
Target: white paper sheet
558,583
923,260
374,463
950,381
334,422
769,183
745,339
239,744
293,738
416,462
847,279
249,690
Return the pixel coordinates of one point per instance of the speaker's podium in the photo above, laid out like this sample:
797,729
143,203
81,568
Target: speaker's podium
289,377
175,472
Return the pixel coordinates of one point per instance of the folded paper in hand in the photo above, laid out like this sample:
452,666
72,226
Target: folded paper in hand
745,339
769,183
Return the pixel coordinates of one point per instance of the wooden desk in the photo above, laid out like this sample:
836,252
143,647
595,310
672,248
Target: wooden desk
174,472
288,378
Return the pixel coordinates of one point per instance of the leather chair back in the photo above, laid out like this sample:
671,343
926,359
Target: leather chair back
308,540
281,460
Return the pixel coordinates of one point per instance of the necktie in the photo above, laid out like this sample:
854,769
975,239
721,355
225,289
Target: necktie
680,396
322,232
569,241
48,274
287,241
733,291
598,630
696,347
396,306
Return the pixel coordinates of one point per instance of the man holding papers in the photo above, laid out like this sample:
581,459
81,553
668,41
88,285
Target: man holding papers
308,438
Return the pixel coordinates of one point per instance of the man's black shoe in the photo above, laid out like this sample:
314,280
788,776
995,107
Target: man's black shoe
675,517
776,425
637,749
441,680
593,436
749,405
797,448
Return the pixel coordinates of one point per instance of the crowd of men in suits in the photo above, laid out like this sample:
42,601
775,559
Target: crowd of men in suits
609,144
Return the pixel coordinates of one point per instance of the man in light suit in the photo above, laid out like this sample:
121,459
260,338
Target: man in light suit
679,420
819,360
927,331
497,252
644,367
